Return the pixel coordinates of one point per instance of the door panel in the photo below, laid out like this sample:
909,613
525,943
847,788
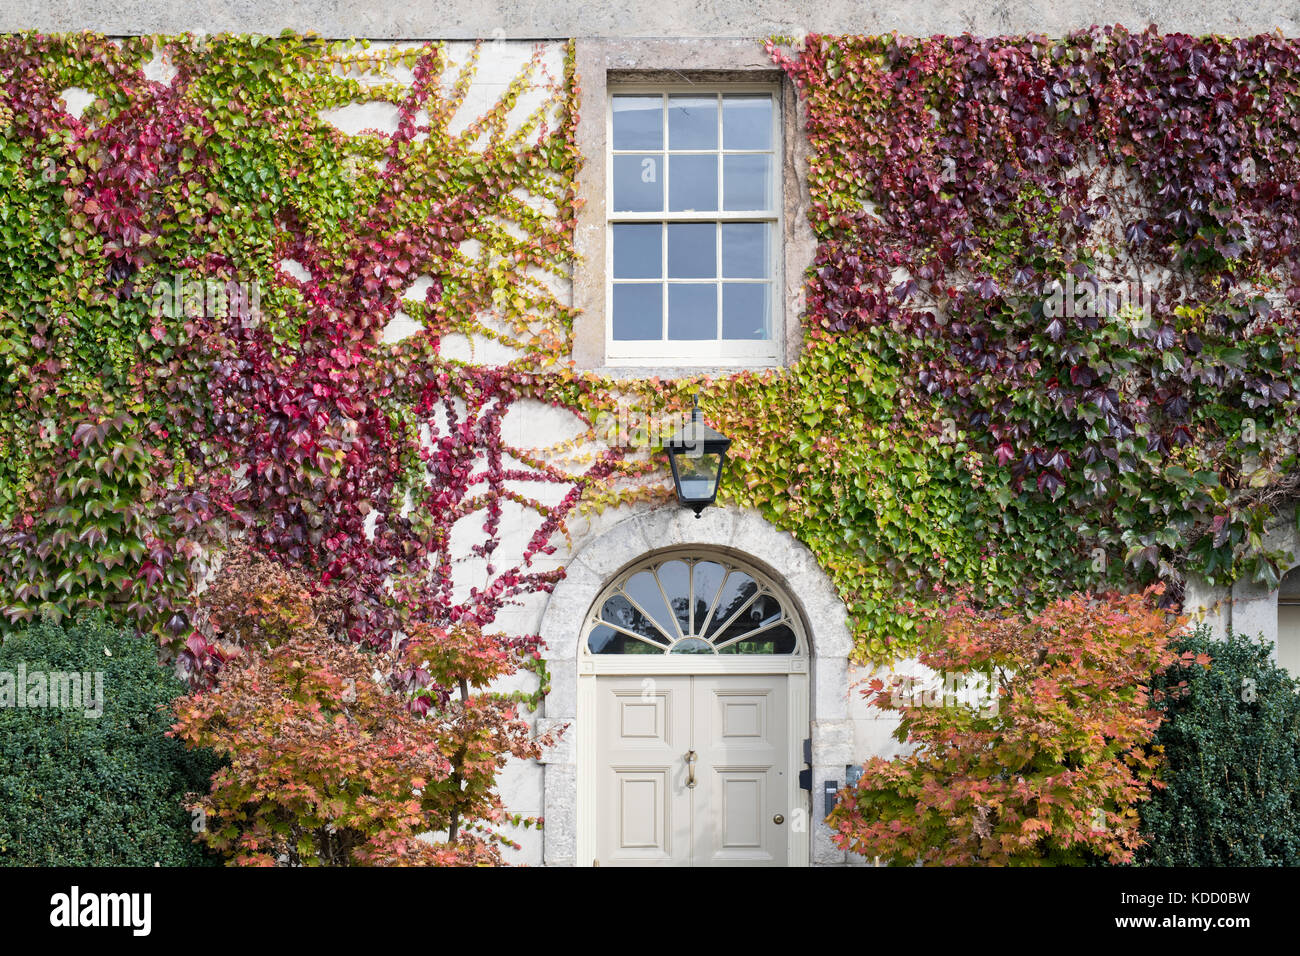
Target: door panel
642,812
644,729
741,730
648,814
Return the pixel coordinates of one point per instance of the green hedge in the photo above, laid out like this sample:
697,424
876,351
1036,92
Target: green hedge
1233,762
83,791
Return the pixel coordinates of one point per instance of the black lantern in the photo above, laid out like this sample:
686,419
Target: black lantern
696,453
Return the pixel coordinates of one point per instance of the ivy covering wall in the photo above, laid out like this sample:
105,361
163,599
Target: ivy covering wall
197,276
1052,326
197,273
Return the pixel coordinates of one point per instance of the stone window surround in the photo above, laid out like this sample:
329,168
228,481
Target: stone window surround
780,556
711,60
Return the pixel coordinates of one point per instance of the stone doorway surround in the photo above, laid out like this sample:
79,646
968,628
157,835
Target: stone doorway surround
750,537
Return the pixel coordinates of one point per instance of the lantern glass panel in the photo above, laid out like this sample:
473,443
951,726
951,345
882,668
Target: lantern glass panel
698,476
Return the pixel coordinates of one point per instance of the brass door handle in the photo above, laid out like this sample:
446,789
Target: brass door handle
778,819
690,769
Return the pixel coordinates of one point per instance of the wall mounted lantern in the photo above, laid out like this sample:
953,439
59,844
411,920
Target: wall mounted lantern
696,454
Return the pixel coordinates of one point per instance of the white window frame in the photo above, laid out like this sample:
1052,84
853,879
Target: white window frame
721,353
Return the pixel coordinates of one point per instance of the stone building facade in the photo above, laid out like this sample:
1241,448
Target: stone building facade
701,49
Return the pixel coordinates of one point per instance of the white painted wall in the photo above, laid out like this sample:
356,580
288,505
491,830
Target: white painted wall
601,18
1253,610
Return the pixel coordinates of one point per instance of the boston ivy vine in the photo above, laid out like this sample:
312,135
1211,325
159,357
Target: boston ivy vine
1050,340
1051,331
198,276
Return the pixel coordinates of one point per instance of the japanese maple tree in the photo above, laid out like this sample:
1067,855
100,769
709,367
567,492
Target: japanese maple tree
1048,770
343,755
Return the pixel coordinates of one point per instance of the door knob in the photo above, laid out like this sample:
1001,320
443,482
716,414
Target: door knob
690,769
778,819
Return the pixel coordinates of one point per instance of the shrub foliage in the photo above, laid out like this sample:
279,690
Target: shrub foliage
106,791
1231,772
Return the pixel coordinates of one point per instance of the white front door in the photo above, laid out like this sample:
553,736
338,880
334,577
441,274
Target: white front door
693,770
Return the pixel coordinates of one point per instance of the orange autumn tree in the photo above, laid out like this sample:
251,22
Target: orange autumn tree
333,759
1048,768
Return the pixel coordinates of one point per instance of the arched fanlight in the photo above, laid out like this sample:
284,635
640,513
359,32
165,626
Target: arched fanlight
696,454
692,603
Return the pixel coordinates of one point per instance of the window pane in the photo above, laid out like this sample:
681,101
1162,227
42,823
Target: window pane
638,250
745,251
638,311
643,589
606,640
765,610
692,122
740,587
619,610
692,311
776,640
694,183
744,310
692,645
746,181
707,578
638,122
639,183
747,122
675,579
762,612
692,250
